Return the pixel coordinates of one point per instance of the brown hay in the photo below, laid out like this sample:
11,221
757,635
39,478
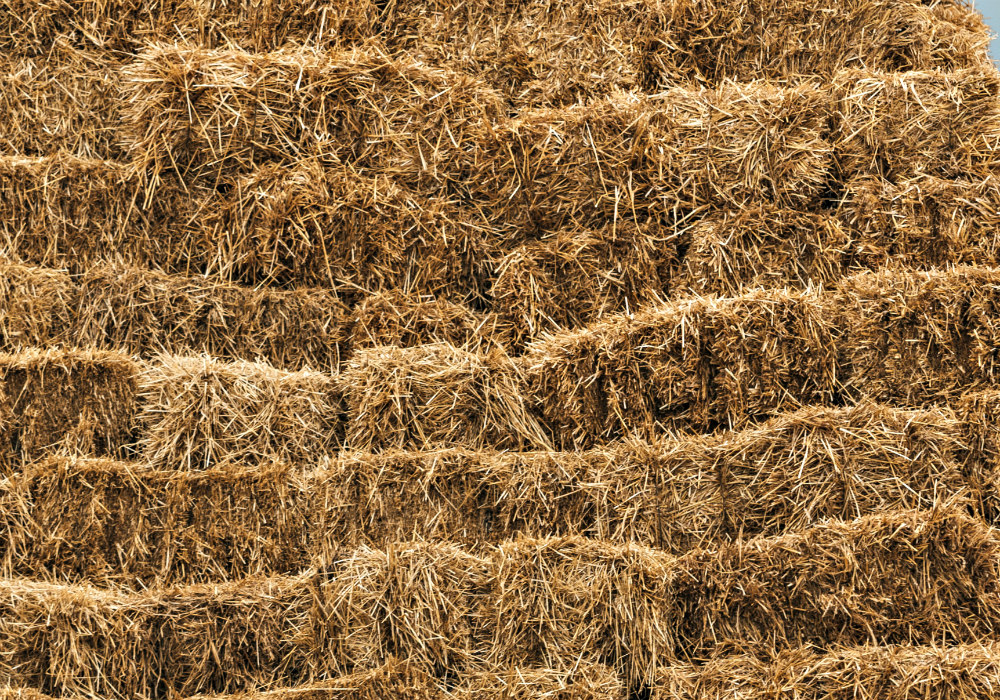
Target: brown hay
585,682
435,395
196,412
36,305
693,363
902,124
980,454
921,337
74,401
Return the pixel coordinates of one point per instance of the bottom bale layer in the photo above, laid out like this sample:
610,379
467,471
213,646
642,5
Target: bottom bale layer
918,577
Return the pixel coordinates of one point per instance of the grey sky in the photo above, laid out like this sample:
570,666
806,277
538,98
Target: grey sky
991,9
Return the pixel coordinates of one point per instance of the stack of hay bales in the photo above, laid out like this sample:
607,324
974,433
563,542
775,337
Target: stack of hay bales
542,350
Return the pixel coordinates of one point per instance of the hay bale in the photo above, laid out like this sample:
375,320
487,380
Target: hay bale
67,401
393,317
557,602
924,221
122,524
36,305
918,338
149,312
898,125
197,412
579,275
980,451
712,41
585,682
697,363
435,395
756,246
897,577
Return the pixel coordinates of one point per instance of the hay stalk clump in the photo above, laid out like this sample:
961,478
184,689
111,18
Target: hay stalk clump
436,395
196,412
36,306
65,401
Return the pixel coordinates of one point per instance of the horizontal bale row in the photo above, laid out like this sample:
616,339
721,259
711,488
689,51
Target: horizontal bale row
913,577
121,523
863,673
904,337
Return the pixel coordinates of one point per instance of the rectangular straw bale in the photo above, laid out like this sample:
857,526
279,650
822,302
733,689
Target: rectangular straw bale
67,401
923,221
123,26
737,677
36,305
978,414
411,600
895,577
119,523
898,125
197,412
916,338
393,317
799,469
557,602
64,100
63,211
585,682
148,312
436,395
715,40
694,363
579,275
763,246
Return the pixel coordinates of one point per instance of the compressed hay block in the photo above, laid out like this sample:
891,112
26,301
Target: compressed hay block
64,100
123,26
979,420
581,275
918,338
68,212
332,227
211,114
197,412
899,125
36,305
436,395
731,251
715,40
799,469
66,401
694,363
117,523
393,317
899,577
147,312
557,602
923,221
585,682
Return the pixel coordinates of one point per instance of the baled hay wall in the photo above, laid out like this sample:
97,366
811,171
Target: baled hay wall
436,395
196,412
697,362
32,28
963,672
79,402
36,306
899,577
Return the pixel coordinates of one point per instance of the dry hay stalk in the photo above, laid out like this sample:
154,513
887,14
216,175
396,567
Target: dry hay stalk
69,212
148,312
584,682
924,220
31,27
216,113
196,412
116,523
694,363
65,100
979,416
580,275
74,401
921,337
714,40
436,395
902,124
393,317
36,306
